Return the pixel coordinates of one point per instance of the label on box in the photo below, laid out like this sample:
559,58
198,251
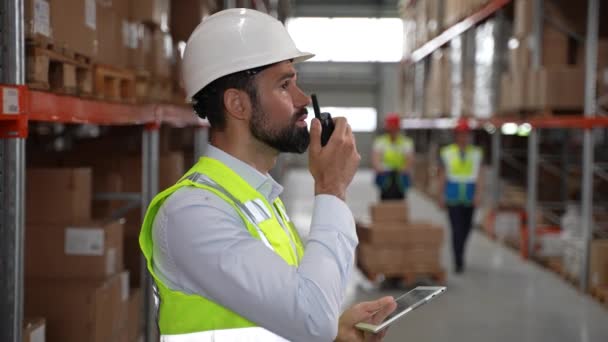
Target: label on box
126,34
84,241
111,261
10,101
134,33
124,283
38,335
42,17
90,14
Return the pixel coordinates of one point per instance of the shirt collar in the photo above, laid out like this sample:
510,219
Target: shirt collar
264,184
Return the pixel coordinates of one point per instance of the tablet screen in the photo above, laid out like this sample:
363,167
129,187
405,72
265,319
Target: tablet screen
405,303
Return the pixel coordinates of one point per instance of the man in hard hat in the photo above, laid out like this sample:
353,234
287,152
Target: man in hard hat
393,159
461,182
227,262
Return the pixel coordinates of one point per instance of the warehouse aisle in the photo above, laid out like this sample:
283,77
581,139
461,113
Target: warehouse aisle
499,297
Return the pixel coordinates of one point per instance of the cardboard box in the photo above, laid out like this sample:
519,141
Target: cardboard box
561,87
151,11
84,251
79,310
518,89
555,47
519,57
141,46
399,260
389,211
160,59
185,17
135,309
422,34
112,50
121,7
453,11
74,25
106,182
598,263
434,17
58,195
523,17
37,19
438,97
34,330
406,235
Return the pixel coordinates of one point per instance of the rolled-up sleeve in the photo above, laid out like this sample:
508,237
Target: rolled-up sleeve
215,256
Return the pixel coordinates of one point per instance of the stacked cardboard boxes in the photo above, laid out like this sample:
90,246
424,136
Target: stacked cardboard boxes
74,269
394,246
438,95
123,35
558,84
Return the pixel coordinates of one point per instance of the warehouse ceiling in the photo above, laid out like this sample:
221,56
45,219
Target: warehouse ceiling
345,8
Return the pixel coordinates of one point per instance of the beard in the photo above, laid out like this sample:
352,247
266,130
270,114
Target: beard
289,139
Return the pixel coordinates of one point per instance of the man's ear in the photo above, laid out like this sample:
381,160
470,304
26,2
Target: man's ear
237,104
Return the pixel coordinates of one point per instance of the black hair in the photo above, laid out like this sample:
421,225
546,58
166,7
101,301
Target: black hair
209,102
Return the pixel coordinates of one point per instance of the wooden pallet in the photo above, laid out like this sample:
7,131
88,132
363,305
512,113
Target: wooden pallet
153,89
409,277
57,70
49,44
114,84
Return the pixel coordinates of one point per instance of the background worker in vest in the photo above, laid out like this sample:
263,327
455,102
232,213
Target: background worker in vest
393,159
462,184
226,259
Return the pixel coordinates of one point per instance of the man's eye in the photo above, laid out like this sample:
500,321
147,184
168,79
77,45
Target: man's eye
285,85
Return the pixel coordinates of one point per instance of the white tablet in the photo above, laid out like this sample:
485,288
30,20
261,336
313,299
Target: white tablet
405,303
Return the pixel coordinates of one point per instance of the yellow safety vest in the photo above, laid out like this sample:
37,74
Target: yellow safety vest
186,317
461,170
393,156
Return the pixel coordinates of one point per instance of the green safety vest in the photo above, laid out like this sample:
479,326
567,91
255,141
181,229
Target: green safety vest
188,317
461,172
393,156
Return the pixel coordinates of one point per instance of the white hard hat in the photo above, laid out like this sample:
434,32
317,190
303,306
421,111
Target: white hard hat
235,40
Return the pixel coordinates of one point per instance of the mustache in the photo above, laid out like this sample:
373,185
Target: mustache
296,116
302,111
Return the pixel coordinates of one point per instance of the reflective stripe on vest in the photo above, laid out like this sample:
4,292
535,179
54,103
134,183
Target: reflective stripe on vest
254,212
252,334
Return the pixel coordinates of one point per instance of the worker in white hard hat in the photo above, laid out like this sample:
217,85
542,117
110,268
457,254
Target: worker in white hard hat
226,259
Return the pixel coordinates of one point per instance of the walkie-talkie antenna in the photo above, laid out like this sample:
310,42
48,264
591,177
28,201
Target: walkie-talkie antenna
315,106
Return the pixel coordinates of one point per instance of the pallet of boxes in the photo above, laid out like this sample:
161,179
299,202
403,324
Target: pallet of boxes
117,51
394,247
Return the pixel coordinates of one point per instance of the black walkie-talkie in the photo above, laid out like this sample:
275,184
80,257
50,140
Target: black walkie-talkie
327,123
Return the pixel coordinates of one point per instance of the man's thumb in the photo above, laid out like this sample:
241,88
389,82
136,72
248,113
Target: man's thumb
376,304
